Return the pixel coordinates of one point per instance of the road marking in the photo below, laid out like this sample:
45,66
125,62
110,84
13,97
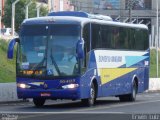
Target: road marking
42,114
86,110
114,106
46,113
29,116
61,113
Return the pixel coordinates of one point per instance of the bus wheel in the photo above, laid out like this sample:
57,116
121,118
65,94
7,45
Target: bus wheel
90,101
38,102
130,97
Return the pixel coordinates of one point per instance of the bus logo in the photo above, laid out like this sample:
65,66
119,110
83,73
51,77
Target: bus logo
45,86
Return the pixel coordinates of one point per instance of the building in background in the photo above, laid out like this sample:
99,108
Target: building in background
143,11
119,8
108,4
60,5
83,5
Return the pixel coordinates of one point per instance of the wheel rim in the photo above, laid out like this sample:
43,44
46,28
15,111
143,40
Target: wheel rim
134,91
92,93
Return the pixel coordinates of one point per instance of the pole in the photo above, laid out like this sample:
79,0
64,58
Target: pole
26,13
38,10
130,10
61,4
153,37
157,38
130,13
13,16
52,5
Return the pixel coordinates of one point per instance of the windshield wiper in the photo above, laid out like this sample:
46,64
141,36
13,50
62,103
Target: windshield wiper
55,64
40,65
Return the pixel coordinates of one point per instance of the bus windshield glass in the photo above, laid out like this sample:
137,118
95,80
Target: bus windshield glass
48,50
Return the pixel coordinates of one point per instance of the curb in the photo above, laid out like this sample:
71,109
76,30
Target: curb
152,91
14,102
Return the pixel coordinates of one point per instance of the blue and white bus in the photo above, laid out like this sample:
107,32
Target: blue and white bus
79,56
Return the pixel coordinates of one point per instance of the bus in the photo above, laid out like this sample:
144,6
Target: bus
80,56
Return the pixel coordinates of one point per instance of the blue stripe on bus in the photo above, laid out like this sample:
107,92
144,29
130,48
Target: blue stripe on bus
92,60
131,60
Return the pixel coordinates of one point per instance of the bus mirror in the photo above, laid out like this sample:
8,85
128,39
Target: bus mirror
80,49
11,47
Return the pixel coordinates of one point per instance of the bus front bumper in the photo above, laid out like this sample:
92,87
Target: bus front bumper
73,94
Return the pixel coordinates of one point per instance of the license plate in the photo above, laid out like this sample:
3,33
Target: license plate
45,94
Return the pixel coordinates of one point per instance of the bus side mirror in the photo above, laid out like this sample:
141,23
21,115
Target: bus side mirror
11,47
80,49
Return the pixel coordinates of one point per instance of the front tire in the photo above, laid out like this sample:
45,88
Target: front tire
90,101
38,102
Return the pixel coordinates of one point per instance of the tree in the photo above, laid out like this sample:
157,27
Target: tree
20,12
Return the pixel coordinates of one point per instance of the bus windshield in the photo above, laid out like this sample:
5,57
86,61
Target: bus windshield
48,50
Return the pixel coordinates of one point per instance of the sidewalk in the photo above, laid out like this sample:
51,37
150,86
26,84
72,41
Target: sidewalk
8,92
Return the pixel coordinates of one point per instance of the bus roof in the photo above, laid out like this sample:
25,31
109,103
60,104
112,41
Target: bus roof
81,14
78,20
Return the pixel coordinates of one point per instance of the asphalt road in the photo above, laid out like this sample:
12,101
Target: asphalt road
147,106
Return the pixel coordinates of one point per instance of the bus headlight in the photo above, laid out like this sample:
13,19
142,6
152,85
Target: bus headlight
70,86
22,85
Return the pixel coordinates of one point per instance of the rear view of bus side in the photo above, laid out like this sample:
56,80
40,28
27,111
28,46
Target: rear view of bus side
118,56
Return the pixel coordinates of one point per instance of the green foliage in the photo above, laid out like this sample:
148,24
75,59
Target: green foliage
153,65
43,11
7,67
20,12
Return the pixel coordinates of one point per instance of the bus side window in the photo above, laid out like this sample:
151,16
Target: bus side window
115,39
86,37
140,40
146,37
106,37
132,42
96,36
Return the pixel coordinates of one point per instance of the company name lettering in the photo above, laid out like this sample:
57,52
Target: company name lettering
110,58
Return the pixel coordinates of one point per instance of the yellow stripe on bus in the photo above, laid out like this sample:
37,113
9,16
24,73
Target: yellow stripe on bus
110,74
